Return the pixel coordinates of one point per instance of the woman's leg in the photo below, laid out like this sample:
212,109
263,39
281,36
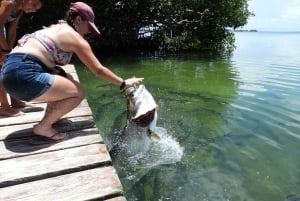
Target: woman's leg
5,109
62,97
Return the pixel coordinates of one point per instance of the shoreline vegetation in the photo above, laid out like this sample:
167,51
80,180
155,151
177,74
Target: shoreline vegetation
266,31
153,25
245,30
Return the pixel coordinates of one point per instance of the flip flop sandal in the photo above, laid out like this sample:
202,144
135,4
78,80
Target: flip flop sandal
39,140
63,121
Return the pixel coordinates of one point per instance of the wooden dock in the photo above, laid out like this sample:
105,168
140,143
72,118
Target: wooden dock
78,168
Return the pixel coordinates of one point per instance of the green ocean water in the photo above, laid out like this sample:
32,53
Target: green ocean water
231,125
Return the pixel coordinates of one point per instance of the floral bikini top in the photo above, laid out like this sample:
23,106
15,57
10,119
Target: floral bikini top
60,57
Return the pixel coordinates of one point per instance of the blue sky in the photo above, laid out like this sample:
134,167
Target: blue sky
274,15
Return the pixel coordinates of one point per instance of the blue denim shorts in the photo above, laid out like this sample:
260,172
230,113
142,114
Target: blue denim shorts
25,77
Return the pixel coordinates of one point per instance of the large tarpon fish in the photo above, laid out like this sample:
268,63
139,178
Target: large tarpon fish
140,124
141,111
142,143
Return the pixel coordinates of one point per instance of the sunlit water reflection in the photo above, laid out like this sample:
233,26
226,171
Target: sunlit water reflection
231,125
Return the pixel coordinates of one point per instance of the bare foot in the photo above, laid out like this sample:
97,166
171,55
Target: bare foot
10,112
48,132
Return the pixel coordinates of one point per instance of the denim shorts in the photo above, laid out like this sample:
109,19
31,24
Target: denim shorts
25,77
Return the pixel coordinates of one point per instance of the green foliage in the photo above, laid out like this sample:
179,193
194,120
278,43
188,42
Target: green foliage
169,25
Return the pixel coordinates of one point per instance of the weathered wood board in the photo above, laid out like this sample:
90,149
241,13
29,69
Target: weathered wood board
76,168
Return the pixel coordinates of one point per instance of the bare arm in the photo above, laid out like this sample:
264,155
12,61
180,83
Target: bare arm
6,8
84,52
12,31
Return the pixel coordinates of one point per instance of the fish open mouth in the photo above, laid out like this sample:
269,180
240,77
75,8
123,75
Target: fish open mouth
146,119
141,107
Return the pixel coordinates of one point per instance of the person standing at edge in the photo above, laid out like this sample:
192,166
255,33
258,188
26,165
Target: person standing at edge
10,13
31,66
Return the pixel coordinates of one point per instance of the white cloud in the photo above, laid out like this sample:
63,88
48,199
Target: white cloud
292,12
274,15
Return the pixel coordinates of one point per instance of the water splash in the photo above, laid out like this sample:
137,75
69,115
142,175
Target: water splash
167,150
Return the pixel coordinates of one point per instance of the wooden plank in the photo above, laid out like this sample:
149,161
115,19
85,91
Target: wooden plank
25,129
121,198
37,116
76,168
97,183
17,147
53,163
39,106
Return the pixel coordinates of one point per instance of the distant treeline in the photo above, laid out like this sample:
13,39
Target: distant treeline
149,25
245,30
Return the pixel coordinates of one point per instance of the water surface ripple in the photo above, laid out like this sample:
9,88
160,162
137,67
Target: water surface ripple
235,123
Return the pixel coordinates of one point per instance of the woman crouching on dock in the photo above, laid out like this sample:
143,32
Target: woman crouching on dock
29,72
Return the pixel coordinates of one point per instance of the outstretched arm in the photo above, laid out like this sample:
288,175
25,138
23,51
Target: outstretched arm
86,55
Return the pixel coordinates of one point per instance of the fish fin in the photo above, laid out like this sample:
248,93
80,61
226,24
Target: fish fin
153,135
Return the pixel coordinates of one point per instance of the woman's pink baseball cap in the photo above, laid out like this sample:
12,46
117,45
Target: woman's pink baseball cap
87,13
